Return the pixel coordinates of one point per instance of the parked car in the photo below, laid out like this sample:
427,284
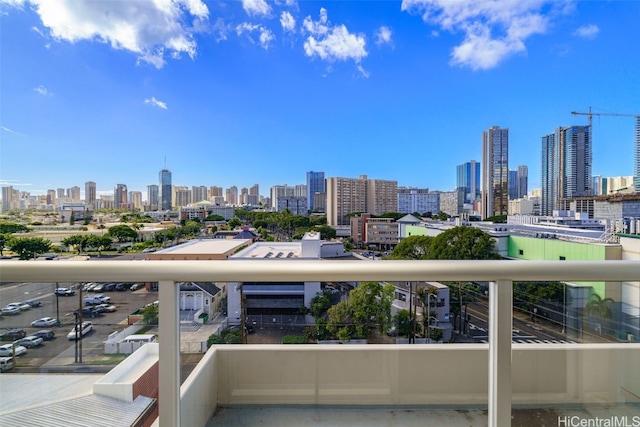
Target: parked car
10,310
109,308
64,292
30,341
96,299
85,328
109,287
33,303
6,363
13,334
136,286
122,287
7,350
45,334
88,312
45,321
99,287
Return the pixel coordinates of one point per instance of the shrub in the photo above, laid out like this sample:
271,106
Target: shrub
294,339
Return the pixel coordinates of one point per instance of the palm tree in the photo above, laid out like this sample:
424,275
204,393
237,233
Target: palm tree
599,307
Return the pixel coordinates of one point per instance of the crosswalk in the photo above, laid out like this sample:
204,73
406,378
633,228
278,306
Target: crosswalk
520,340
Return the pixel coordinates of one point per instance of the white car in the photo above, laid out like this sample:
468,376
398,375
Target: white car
11,309
7,350
30,341
86,327
44,322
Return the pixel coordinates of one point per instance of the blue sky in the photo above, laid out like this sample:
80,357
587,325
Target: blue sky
245,92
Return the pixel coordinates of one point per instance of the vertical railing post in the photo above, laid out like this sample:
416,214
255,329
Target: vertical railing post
500,332
169,363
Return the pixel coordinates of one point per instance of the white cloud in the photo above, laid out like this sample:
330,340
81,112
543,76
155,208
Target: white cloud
256,7
287,21
332,43
43,90
156,103
493,29
383,35
147,28
587,31
265,36
6,129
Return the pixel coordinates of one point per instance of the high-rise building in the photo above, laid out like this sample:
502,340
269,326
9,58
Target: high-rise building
135,198
345,196
468,181
565,166
182,196
348,195
199,193
523,181
315,184
512,183
549,173
164,190
61,193
419,200
90,194
495,168
152,197
636,164
215,191
120,196
74,194
576,141
232,195
7,198
278,191
51,197
382,196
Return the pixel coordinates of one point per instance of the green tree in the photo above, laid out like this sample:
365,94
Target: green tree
326,232
497,219
600,307
533,293
29,247
234,222
77,240
123,233
402,321
213,217
4,240
463,243
413,247
461,295
395,215
150,314
442,216
99,243
320,304
72,219
214,339
12,227
340,321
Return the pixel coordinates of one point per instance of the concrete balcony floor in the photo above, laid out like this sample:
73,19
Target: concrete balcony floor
368,416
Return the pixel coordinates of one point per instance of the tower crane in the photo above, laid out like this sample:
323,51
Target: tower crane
590,115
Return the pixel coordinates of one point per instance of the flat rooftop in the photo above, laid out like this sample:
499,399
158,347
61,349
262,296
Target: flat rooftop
203,246
271,250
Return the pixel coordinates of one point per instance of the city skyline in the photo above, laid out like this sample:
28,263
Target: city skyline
244,92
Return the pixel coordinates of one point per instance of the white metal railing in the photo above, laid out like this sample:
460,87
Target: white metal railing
167,273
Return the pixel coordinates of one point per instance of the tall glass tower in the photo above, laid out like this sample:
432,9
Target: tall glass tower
315,184
636,164
495,171
164,193
468,181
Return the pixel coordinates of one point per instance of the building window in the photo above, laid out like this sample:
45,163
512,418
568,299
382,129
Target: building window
521,252
562,258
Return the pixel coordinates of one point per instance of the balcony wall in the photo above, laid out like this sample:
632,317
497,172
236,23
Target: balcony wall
456,376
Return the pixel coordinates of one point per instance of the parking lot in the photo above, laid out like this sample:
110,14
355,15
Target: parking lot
62,308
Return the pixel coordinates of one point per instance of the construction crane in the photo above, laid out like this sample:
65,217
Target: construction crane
590,115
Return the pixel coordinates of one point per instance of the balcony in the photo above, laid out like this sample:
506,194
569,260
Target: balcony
476,384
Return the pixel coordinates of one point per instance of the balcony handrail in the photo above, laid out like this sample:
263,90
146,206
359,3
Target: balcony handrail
316,270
